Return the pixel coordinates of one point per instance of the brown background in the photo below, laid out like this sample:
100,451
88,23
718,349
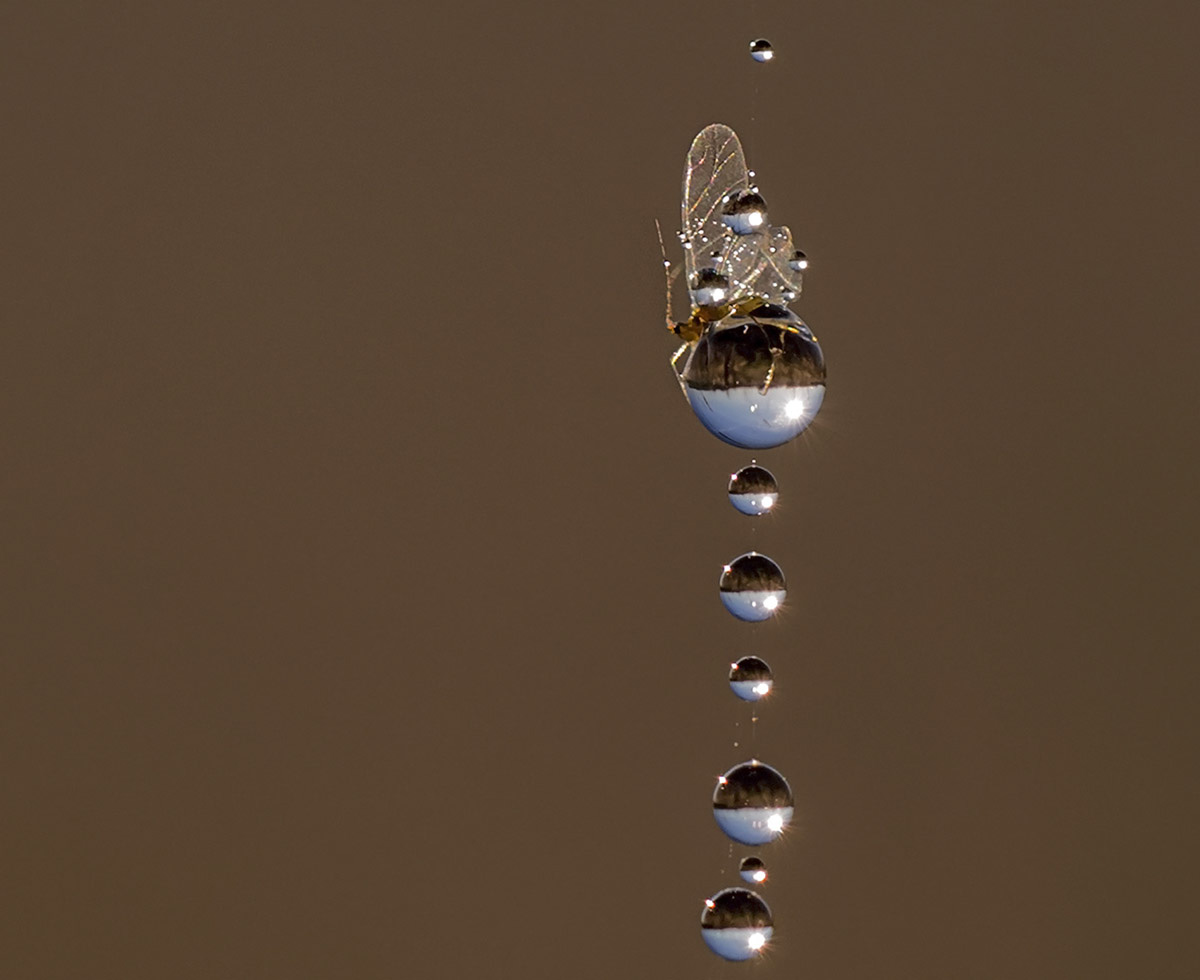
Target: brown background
361,554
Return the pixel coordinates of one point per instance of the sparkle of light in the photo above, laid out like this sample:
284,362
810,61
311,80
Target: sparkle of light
767,503
770,602
794,409
762,687
710,903
775,822
755,218
760,876
756,940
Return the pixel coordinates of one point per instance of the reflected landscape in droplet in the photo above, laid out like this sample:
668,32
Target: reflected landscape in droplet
756,381
761,50
752,587
745,212
753,803
736,924
750,678
709,287
753,490
753,869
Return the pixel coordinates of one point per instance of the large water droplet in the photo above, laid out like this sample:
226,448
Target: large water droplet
758,380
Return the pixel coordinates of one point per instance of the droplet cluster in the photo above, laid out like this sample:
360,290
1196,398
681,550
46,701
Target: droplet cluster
754,376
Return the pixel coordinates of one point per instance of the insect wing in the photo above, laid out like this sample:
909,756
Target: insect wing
777,281
757,265
744,261
715,168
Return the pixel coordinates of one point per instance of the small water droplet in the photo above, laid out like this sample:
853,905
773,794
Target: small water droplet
761,50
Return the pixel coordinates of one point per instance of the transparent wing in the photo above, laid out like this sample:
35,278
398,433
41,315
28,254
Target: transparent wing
756,264
716,167
777,281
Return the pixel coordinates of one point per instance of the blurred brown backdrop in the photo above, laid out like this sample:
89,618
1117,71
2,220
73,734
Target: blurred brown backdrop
361,558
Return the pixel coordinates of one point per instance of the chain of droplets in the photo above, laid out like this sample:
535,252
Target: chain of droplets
755,377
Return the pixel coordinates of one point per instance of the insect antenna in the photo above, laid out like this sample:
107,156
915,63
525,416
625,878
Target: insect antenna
669,273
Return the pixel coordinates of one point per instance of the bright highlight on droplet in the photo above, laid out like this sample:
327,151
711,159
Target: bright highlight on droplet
762,688
794,409
760,876
767,503
770,602
775,822
756,940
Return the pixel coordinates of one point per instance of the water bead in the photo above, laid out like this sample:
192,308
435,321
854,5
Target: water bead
756,380
736,924
709,288
753,803
745,212
750,679
753,870
752,587
761,50
753,490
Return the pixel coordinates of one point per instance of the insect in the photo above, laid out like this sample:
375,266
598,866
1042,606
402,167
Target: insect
735,261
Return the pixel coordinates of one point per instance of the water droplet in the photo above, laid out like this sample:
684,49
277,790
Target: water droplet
758,380
752,587
761,50
798,262
753,869
709,288
736,924
753,803
750,678
745,213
